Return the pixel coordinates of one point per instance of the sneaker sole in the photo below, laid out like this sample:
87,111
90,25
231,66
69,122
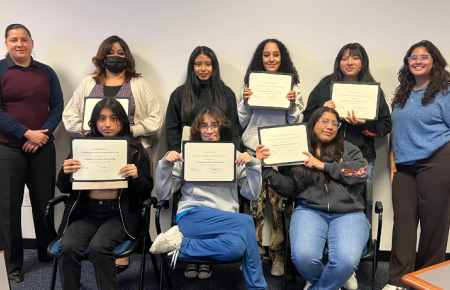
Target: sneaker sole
190,276
204,275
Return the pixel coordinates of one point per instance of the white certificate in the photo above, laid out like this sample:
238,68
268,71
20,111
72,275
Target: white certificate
270,90
89,104
101,159
286,144
207,162
359,97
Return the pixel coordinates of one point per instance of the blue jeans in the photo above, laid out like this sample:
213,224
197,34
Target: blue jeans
223,236
345,235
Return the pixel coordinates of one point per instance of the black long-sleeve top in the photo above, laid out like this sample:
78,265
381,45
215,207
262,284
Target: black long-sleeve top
174,124
361,136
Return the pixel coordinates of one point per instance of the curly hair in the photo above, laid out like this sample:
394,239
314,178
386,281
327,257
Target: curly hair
330,152
439,77
355,49
286,66
225,128
99,74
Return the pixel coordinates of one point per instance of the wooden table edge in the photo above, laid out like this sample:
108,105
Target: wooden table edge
420,284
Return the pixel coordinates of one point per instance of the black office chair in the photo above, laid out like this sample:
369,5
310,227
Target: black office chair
373,246
125,249
244,207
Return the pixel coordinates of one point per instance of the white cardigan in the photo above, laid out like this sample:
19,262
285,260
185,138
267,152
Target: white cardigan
147,117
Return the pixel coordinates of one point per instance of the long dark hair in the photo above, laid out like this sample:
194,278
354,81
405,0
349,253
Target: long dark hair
286,65
192,86
439,78
329,152
355,49
225,128
103,50
122,118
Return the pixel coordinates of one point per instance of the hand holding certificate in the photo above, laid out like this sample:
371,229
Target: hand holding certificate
286,144
269,90
207,162
361,98
99,163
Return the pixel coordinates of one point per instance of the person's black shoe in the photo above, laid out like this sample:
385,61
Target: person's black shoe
16,276
121,268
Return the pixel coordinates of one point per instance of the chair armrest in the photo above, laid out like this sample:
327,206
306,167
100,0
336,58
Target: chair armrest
164,203
379,207
49,210
149,202
146,208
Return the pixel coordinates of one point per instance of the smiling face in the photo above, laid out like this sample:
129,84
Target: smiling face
350,65
271,57
326,128
209,129
19,45
203,68
107,124
421,68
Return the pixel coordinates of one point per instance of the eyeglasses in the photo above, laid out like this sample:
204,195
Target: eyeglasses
424,58
204,127
325,122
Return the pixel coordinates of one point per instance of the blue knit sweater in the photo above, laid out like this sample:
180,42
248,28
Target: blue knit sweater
419,131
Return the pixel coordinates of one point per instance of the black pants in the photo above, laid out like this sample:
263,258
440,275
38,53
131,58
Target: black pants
420,191
37,171
100,227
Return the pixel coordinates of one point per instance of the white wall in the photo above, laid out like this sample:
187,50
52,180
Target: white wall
162,34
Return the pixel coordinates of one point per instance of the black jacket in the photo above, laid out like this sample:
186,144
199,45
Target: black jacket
343,193
131,198
174,125
361,135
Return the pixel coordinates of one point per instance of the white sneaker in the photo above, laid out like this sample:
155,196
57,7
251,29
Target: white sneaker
204,271
167,242
307,285
352,283
191,271
277,269
392,287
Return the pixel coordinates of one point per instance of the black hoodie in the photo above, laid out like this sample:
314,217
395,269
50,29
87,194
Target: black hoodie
361,135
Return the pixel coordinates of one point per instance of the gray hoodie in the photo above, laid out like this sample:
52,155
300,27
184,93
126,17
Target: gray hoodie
221,196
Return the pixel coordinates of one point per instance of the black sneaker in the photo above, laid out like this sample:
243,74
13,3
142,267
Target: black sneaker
191,271
204,271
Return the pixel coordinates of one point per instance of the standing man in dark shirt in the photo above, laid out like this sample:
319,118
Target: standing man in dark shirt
31,105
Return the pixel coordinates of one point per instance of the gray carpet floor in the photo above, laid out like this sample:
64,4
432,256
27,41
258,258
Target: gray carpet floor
224,277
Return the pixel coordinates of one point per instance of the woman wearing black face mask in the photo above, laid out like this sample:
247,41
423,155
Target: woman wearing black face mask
115,76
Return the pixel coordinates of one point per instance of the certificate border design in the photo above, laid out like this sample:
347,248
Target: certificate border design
360,83
277,73
211,183
100,138
278,126
100,98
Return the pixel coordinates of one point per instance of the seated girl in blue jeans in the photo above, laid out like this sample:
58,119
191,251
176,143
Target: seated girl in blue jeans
328,203
209,224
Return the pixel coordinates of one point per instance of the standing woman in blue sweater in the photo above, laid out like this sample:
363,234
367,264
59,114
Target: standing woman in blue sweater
420,156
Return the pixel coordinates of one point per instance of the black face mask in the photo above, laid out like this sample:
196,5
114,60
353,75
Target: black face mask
115,64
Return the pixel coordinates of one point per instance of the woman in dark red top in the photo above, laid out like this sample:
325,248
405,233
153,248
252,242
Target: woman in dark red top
31,104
